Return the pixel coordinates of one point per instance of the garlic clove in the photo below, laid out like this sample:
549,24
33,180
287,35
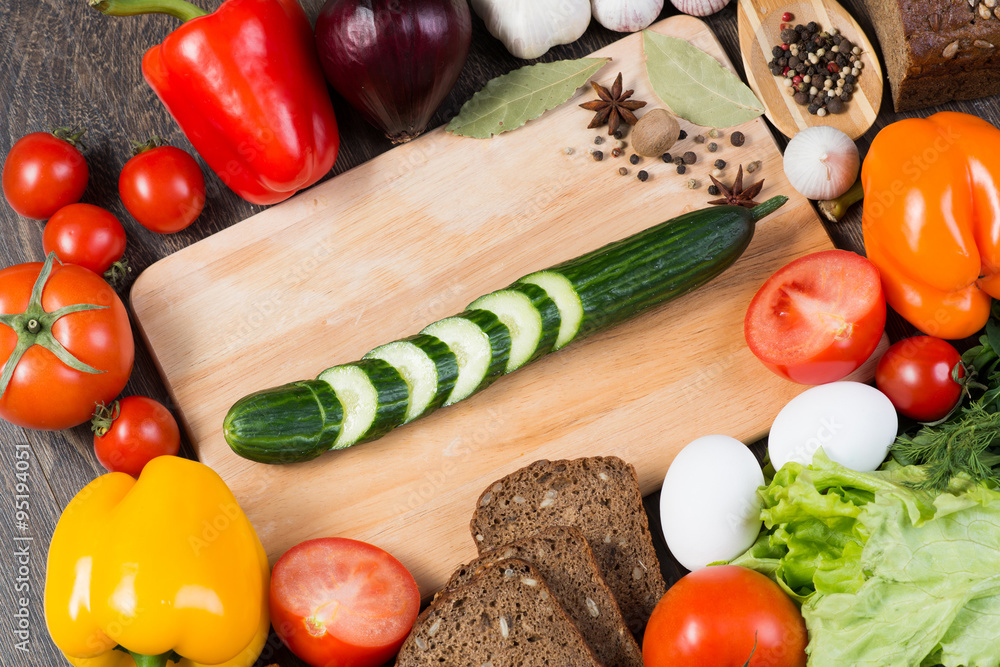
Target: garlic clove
699,7
821,162
626,15
529,28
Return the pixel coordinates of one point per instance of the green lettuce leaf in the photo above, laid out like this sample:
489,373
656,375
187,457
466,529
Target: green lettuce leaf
886,574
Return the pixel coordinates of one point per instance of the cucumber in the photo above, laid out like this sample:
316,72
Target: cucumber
481,343
561,291
530,315
427,365
374,397
500,332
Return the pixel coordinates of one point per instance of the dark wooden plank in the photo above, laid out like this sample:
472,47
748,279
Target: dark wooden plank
63,63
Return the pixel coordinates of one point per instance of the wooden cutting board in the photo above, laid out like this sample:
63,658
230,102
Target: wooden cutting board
414,235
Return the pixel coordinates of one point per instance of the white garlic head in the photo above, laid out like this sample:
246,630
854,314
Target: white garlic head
529,28
699,7
626,15
821,162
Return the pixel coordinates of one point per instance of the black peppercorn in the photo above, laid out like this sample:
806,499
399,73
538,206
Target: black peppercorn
598,140
623,171
633,158
619,134
737,138
777,51
850,78
667,157
842,60
642,175
712,147
812,26
598,155
713,190
794,61
835,105
678,160
720,164
690,157
788,36
848,88
681,169
813,108
801,98
682,135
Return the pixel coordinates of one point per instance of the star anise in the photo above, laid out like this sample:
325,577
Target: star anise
737,196
614,106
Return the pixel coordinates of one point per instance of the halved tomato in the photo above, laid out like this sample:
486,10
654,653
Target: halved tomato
337,602
818,318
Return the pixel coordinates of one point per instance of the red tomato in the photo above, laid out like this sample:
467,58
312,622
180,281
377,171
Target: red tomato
43,173
85,235
818,318
132,432
337,602
918,375
45,392
712,617
163,188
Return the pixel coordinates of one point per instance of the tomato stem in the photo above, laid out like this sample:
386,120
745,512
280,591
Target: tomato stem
139,147
104,417
34,327
181,9
71,135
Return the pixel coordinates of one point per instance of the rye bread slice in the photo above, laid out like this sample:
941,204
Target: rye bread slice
564,560
598,495
503,616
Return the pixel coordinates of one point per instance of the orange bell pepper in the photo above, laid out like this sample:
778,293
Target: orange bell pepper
931,220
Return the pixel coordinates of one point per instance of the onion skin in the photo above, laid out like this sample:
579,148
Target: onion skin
393,61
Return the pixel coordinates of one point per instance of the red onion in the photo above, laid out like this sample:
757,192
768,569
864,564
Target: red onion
394,60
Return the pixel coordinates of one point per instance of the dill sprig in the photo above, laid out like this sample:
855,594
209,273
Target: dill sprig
967,445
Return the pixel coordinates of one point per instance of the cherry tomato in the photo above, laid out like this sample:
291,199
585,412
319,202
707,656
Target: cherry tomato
44,172
85,235
918,375
47,392
337,602
163,188
724,616
132,432
818,318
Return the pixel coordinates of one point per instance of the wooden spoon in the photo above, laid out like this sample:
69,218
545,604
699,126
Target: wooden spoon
759,22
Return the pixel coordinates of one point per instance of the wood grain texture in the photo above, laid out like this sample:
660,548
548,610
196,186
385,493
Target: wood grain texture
759,29
62,63
414,235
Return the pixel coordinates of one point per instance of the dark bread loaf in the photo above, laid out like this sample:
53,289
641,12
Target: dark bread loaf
503,616
566,563
598,495
936,52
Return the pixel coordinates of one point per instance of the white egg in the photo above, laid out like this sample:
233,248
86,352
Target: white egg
854,423
709,508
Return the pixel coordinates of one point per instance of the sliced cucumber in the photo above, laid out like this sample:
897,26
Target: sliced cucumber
374,397
561,291
530,315
427,365
481,343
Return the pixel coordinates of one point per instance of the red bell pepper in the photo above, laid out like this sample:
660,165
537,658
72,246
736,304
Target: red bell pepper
245,85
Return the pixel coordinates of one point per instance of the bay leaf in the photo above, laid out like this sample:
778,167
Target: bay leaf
511,100
695,85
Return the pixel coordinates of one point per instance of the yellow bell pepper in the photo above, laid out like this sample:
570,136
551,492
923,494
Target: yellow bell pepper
166,569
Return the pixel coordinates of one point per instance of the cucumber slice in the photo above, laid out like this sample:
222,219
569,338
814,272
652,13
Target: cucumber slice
531,316
427,365
481,343
561,291
374,397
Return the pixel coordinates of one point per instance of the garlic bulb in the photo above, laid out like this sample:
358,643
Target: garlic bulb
626,15
699,7
529,28
821,162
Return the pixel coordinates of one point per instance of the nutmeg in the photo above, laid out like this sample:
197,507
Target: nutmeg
656,131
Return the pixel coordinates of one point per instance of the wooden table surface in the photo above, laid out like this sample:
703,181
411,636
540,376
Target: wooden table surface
62,63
